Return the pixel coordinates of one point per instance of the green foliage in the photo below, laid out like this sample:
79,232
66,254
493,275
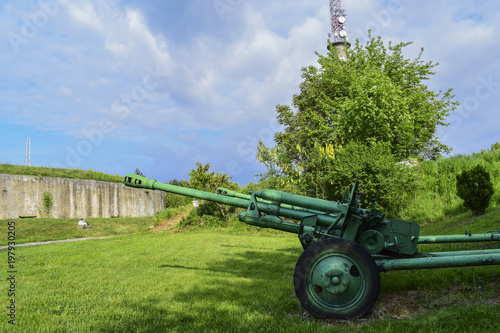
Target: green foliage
198,219
175,200
207,215
422,191
475,188
191,219
494,148
209,208
12,169
202,179
176,182
384,99
377,102
466,221
377,95
435,196
331,172
378,174
47,203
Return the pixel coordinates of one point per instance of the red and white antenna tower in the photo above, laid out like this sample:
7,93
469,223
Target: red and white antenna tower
338,35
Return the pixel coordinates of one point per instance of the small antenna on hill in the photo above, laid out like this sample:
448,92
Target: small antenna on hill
27,158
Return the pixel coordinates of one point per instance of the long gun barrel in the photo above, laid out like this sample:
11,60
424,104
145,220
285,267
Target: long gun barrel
252,216
318,218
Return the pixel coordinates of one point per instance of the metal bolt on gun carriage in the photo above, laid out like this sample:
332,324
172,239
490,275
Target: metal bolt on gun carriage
345,246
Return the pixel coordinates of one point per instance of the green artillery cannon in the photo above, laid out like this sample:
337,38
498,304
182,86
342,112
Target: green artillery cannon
345,246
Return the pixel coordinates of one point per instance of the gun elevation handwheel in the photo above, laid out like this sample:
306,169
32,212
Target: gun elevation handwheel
336,278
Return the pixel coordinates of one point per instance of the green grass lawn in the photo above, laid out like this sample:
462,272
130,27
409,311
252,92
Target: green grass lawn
48,229
222,281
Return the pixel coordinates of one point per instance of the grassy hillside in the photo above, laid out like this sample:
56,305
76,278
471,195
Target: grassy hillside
434,195
12,169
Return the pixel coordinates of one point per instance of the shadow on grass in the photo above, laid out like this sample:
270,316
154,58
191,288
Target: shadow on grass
248,289
243,291
251,264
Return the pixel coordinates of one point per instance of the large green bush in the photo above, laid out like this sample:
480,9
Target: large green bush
474,186
208,215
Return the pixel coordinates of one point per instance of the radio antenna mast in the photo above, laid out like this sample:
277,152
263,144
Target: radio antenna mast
338,35
27,157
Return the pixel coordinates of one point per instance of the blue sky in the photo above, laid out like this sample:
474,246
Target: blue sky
160,85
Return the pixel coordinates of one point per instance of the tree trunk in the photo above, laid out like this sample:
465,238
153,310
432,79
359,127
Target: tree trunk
221,207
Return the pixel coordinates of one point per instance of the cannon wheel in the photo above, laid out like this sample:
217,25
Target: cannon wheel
336,278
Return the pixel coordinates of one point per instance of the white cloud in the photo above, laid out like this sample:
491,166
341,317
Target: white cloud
125,32
219,80
84,13
247,77
117,50
88,55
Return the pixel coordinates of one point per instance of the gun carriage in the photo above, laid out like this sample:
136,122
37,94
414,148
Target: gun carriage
345,246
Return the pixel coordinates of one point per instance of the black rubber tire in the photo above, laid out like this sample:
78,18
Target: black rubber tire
336,278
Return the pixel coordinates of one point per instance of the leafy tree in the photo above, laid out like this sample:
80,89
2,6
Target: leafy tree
202,179
177,182
474,186
378,174
495,147
377,96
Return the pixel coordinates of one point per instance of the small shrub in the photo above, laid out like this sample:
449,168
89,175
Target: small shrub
210,221
208,215
475,188
48,203
209,208
191,219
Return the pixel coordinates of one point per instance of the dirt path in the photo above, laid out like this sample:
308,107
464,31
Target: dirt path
170,223
55,241
166,225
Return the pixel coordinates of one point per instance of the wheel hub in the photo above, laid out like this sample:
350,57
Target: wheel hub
335,281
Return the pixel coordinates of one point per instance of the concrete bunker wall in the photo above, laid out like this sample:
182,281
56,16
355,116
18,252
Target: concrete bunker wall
73,198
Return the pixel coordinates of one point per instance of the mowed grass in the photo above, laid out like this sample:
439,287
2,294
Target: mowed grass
223,281
48,229
156,282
